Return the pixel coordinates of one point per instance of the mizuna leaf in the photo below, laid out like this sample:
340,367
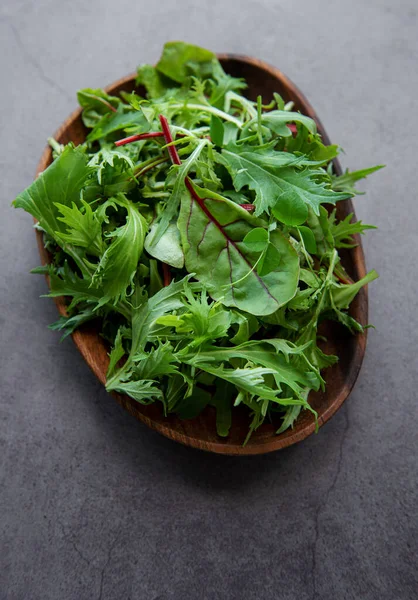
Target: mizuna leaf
143,391
212,233
116,354
296,377
83,228
64,282
61,182
118,264
145,313
343,231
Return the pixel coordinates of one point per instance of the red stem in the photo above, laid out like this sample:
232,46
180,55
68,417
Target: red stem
140,136
172,150
166,274
249,207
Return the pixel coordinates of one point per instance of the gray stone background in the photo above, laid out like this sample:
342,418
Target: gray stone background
93,505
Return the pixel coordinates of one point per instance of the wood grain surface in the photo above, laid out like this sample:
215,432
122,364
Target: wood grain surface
340,378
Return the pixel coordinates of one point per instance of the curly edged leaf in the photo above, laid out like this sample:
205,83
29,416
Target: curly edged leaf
61,182
343,231
143,391
295,374
212,233
146,312
278,184
119,263
202,319
83,227
346,182
64,282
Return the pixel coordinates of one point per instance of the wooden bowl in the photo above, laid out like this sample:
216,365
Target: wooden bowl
201,432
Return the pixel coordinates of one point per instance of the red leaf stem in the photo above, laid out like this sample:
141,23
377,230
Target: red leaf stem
166,274
174,155
140,136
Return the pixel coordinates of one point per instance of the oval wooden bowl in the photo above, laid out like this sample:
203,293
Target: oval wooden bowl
201,432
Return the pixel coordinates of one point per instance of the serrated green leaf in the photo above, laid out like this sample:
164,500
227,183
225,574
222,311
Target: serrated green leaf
61,182
280,187
119,262
347,181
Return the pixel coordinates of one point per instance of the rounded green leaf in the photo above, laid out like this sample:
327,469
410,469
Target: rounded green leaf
256,239
308,239
216,131
212,233
290,209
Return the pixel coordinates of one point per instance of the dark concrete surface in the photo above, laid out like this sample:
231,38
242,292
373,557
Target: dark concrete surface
93,505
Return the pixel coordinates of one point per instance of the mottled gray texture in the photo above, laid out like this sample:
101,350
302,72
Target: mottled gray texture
93,505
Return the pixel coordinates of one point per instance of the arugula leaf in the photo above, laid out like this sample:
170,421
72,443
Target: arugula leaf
343,295
256,353
282,188
343,231
346,182
249,379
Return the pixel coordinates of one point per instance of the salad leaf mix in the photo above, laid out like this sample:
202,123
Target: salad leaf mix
197,227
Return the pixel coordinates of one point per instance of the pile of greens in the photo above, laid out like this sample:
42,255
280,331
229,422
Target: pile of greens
201,241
